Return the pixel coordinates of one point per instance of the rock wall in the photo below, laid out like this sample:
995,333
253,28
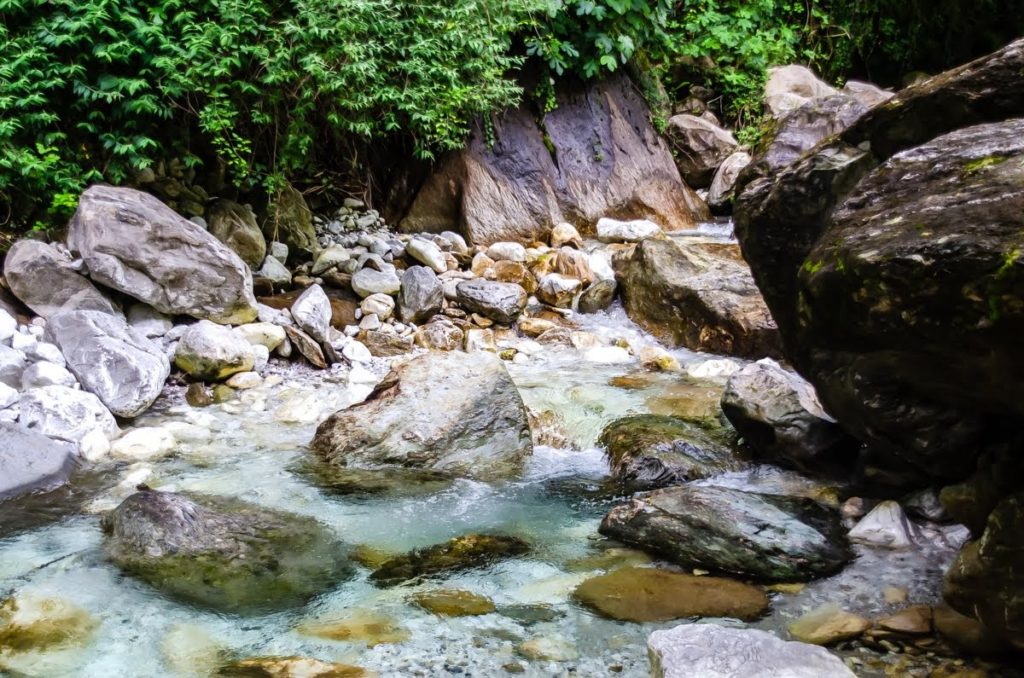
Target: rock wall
595,155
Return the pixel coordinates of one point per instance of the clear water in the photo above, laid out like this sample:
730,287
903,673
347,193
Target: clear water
240,449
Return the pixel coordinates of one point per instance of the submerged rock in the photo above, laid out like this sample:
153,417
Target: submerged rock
361,626
459,553
648,451
223,553
449,412
32,627
549,648
643,594
454,603
767,537
711,651
291,667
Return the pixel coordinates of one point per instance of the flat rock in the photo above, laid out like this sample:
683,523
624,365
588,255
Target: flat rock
457,554
31,462
454,603
827,625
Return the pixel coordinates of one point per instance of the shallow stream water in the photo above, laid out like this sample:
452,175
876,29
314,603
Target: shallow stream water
241,449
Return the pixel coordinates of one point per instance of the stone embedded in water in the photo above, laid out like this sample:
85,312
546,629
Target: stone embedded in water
711,651
291,667
394,481
828,624
453,603
143,443
223,553
886,526
32,627
609,559
649,451
190,650
549,648
362,626
915,620
460,553
642,594
598,296
767,537
528,615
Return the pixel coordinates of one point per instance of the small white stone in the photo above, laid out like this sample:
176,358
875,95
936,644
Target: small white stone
428,254
260,357
507,251
8,396
709,369
370,321
245,380
149,321
613,230
22,341
94,445
44,350
381,305
299,408
8,325
886,526
140,444
356,352
351,330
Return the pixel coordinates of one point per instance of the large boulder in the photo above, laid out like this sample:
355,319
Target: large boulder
595,154
135,244
31,462
235,226
762,536
696,295
223,553
44,280
800,130
777,412
110,359
712,651
790,87
66,414
700,147
290,221
451,412
890,259
501,302
208,351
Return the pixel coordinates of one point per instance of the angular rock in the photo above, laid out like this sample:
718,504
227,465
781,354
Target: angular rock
65,413
427,253
262,334
312,313
501,302
367,281
800,130
12,366
421,296
290,221
211,352
790,87
380,305
700,147
766,537
643,594
778,414
886,526
557,290
330,257
565,234
721,192
867,94
614,231
235,226
111,359
648,451
307,346
222,553
45,373
385,344
598,296
44,280
148,321
135,244
451,412
712,651
439,336
700,296
276,272
457,554
31,462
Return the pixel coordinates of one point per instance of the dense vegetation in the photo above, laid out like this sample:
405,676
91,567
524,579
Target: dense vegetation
262,91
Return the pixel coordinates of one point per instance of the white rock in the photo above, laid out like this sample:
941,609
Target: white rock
312,313
65,413
607,355
356,352
245,380
601,265
45,373
370,321
428,254
274,271
457,242
790,87
285,349
886,526
22,341
716,367
260,357
262,334
12,365
267,314
299,408
8,396
507,251
613,230
279,251
382,305
212,352
149,321
185,432
143,443
330,257
44,350
8,325
367,281
477,340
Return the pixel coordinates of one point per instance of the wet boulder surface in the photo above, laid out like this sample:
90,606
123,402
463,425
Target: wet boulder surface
223,553
459,553
761,536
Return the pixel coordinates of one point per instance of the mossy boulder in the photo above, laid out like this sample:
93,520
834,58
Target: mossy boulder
290,221
642,594
460,553
223,553
649,451
291,667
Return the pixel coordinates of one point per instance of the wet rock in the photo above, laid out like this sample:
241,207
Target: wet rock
460,553
291,667
886,526
530,614
692,650
111,359
700,147
312,313
198,395
32,627
778,414
609,559
641,594
235,226
362,626
915,620
211,352
65,413
421,296
290,221
441,411
649,451
135,244
453,603
698,296
549,648
767,537
44,279
143,443
392,481
966,634
222,553
598,296
827,625
31,462
721,193
614,230
307,347
501,302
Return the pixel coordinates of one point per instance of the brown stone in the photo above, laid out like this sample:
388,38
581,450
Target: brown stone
363,626
828,624
292,667
914,620
307,346
454,603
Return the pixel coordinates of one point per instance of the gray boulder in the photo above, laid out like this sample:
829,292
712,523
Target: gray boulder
421,296
12,366
367,281
223,553
777,412
449,412
762,536
700,147
212,352
65,413
711,651
598,296
274,271
133,243
235,226
148,321
723,185
790,87
501,302
866,93
801,130
31,462
111,359
44,280
45,373
312,313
